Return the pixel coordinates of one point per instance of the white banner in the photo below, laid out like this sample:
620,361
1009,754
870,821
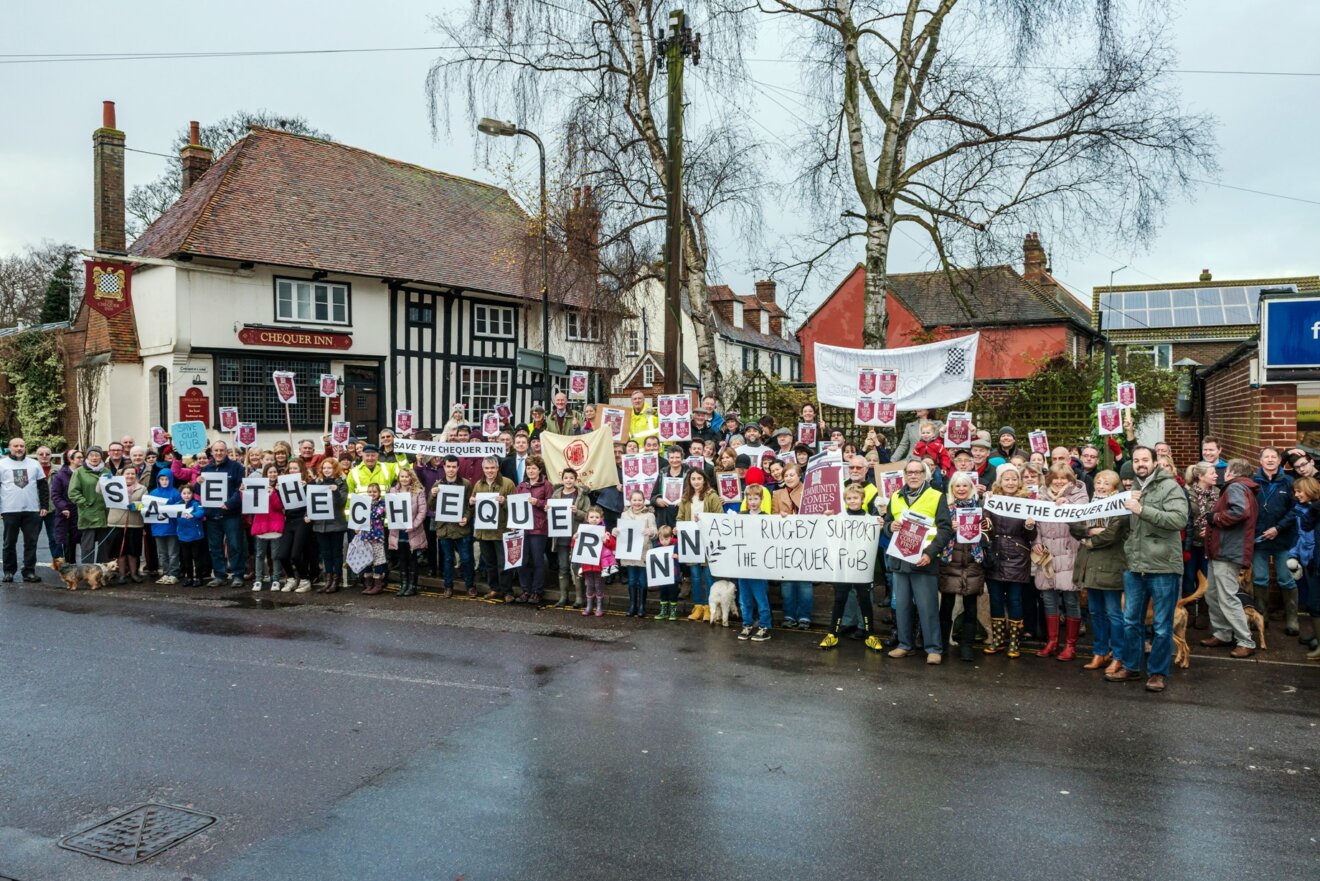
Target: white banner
1048,512
798,548
474,450
935,375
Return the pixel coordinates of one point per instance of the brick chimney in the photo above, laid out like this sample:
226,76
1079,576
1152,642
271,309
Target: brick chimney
582,229
108,185
1205,275
765,291
196,158
1033,259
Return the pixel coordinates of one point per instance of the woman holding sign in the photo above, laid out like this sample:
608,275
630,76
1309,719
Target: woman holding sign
962,564
699,498
296,549
532,573
405,543
330,531
1053,558
1011,539
126,527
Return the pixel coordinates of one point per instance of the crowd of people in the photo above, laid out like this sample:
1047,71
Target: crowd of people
1214,520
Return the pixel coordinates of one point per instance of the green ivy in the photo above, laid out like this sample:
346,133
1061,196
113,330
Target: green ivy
32,364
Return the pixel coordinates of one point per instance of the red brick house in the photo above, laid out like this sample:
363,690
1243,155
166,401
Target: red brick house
1023,318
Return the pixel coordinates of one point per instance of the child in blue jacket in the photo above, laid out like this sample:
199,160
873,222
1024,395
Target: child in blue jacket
190,528
165,533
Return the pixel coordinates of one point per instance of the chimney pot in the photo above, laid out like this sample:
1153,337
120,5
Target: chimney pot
107,114
765,290
1205,275
108,183
194,133
196,159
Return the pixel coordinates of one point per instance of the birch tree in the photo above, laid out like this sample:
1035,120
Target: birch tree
971,118
587,75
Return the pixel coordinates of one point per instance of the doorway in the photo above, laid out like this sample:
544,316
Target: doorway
362,400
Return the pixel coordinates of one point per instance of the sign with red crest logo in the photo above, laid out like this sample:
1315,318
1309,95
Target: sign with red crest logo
886,382
866,381
969,525
632,467
886,412
958,430
245,435
109,287
909,537
513,550
229,419
1127,394
865,411
1110,417
577,385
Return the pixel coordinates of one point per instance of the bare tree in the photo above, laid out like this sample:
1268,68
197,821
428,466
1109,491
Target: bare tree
24,278
965,117
91,377
590,73
148,201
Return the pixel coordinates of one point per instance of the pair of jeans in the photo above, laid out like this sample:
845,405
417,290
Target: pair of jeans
330,545
799,597
1260,576
1107,629
1005,599
29,524
463,547
919,591
1069,600
636,588
260,548
754,601
701,580
532,573
228,545
1161,590
167,552
52,523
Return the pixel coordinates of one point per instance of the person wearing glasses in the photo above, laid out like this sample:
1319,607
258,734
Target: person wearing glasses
916,584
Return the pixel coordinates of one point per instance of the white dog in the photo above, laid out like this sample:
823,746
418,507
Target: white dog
722,595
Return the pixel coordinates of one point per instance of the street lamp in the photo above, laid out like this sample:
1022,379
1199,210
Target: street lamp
1109,346
501,128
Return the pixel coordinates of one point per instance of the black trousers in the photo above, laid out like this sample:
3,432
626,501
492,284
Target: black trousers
29,524
194,559
841,592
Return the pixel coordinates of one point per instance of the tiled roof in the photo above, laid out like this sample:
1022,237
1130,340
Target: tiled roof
657,360
987,295
744,335
292,200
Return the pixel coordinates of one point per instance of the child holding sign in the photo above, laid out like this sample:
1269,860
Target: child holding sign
854,505
406,543
754,593
166,534
636,566
194,556
330,531
374,536
591,574
267,529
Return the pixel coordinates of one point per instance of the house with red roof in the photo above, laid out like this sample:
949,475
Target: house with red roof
418,288
1023,317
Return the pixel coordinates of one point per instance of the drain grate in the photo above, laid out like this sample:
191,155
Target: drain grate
138,835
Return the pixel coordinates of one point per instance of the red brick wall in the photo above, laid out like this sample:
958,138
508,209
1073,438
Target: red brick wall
1246,419
1183,436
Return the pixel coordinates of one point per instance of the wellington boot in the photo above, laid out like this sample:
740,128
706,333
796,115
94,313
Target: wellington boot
998,633
673,612
697,612
374,584
1052,637
1290,623
1071,627
1014,639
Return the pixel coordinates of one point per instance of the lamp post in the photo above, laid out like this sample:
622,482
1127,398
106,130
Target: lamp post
1109,347
500,128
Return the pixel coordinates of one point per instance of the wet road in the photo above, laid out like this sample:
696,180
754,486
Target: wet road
457,739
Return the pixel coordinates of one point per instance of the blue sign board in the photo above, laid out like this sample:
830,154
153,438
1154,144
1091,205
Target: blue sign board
189,438
1290,332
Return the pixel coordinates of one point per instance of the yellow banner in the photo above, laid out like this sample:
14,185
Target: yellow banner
590,455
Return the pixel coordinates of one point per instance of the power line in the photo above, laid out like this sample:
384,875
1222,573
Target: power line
1210,183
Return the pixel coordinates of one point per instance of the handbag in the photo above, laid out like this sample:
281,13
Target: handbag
359,555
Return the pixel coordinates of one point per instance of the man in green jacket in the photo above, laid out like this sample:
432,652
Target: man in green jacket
85,493
1158,512
562,419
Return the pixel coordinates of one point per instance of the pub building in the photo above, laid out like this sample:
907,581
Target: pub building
290,253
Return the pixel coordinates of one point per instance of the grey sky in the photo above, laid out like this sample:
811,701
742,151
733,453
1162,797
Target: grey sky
1268,125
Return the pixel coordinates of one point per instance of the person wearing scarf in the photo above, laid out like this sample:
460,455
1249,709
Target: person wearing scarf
916,584
962,570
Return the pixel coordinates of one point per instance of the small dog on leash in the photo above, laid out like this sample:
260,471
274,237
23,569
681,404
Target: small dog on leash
722,594
1255,620
92,573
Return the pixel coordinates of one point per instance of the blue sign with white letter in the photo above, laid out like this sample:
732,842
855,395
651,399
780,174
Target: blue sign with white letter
1290,332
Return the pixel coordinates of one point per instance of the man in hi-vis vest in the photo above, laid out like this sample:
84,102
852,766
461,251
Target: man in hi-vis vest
917,583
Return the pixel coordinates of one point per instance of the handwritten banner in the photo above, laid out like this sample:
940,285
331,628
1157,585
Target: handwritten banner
799,548
1048,512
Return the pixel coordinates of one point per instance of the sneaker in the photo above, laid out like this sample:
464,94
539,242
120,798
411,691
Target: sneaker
289,584
257,585
761,635
304,586
237,582
804,624
745,633
830,641
164,579
874,643
216,582
789,624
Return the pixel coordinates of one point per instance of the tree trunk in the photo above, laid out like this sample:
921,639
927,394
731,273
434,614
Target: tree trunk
875,317
712,380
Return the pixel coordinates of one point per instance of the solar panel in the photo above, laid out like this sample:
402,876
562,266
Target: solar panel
1187,307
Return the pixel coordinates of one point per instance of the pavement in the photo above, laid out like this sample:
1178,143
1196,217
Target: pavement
351,737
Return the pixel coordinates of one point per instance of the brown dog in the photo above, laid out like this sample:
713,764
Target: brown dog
93,573
1182,652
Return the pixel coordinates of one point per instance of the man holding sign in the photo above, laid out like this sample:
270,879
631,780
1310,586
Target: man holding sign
487,504
224,522
919,524
453,525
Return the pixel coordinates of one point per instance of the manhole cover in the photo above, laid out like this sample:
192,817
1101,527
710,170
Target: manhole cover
139,834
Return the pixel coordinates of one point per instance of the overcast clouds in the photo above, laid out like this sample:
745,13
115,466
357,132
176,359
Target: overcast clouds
1268,125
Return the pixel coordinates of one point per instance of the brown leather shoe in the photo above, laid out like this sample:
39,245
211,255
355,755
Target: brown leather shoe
1097,661
1155,683
1214,642
1241,651
1123,675
1114,666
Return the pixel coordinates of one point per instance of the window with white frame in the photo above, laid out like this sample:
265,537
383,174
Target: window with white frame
737,314
648,374
1161,354
311,302
492,321
634,343
484,387
751,358
583,327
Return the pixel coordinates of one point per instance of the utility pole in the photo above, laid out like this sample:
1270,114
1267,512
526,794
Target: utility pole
672,48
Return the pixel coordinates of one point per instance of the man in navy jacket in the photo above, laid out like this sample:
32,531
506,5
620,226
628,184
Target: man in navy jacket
1276,533
224,525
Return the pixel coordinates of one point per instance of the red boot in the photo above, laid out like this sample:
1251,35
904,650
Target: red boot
1051,644
1071,627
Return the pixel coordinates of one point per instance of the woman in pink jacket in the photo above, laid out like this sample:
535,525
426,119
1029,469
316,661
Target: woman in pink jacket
406,556
267,530
1053,559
